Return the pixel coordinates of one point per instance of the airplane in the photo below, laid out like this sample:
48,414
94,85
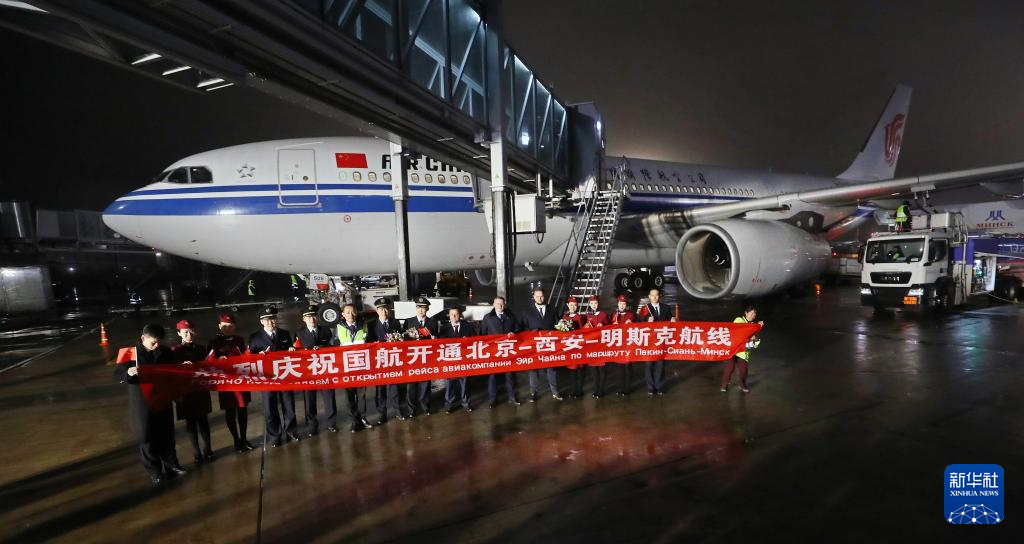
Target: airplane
324,205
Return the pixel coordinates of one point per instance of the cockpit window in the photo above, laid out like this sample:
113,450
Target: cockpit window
200,174
188,174
179,175
162,176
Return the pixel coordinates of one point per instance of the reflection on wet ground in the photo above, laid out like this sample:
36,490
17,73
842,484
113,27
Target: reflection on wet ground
852,417
24,337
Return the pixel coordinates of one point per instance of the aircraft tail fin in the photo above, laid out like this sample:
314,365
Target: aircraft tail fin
877,159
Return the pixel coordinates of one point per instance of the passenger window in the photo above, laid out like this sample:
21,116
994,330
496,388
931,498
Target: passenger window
428,178
356,176
465,179
372,176
440,178
179,175
415,178
200,174
387,177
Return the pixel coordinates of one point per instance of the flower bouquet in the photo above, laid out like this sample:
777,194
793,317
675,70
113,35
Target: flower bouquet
563,325
395,336
411,333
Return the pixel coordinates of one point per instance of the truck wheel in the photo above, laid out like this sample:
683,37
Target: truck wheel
330,314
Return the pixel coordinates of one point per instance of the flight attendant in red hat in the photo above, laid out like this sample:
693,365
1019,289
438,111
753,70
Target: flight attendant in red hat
234,403
195,406
575,319
597,318
621,316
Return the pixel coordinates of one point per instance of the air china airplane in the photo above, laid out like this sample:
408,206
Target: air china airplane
324,205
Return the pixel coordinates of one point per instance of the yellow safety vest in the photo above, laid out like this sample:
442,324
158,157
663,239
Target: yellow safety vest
902,213
753,343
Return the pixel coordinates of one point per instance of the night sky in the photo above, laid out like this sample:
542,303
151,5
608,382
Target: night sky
788,85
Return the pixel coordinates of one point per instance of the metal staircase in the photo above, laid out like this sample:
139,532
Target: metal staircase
585,259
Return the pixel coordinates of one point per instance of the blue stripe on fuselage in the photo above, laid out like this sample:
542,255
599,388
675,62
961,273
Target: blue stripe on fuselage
192,189
271,205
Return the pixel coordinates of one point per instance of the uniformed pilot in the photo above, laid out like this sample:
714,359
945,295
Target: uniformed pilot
385,396
278,406
315,336
417,394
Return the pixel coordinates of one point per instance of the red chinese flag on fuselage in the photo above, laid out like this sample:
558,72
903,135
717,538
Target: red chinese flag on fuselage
350,160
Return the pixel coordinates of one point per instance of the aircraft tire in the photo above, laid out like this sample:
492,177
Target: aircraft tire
329,313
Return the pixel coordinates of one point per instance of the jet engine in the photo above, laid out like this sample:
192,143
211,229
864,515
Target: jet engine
743,258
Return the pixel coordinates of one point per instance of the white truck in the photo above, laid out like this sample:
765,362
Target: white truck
933,266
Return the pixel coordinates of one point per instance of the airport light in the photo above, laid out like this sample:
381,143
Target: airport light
208,82
176,70
146,58
524,138
219,87
916,292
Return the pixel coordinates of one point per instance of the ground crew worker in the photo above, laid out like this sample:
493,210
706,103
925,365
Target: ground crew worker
597,318
296,288
742,358
195,406
234,403
154,427
350,332
903,217
251,290
385,395
538,318
278,406
621,316
455,327
499,321
575,319
316,336
417,394
654,372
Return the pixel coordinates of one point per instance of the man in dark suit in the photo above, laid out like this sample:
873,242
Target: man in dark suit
278,406
538,317
655,310
314,336
498,321
418,393
385,395
455,327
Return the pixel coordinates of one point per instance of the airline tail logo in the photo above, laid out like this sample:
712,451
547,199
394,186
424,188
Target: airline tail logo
894,138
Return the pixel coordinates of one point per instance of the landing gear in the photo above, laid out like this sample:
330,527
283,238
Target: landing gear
329,313
622,281
639,280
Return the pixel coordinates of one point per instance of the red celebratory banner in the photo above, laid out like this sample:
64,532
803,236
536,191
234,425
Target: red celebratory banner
385,363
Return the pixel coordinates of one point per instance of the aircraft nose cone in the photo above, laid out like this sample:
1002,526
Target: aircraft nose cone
119,221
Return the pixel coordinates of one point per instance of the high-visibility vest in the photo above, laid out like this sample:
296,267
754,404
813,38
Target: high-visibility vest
753,343
345,337
902,213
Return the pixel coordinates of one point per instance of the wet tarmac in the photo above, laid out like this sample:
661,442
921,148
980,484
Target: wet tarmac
851,419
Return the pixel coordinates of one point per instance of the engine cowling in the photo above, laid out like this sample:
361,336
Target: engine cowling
741,258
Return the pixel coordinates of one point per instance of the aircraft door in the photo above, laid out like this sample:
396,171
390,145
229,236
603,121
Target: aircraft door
296,177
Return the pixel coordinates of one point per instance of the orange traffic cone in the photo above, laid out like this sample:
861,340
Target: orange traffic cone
104,341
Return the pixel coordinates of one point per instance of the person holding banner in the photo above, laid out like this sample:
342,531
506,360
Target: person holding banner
153,426
654,373
315,336
455,327
597,318
538,318
351,332
195,406
278,406
234,403
574,319
499,321
418,393
380,330
621,316
742,358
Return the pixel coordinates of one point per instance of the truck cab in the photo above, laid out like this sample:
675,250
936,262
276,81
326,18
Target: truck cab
930,267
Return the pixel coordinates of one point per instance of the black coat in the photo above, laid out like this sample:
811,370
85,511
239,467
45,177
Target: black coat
317,338
260,340
490,324
431,325
664,313
376,331
148,423
532,321
194,403
226,346
466,330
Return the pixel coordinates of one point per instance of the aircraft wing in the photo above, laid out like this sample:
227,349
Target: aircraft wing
854,193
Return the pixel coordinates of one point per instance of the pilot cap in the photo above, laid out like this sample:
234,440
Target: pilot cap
269,311
382,303
312,310
422,301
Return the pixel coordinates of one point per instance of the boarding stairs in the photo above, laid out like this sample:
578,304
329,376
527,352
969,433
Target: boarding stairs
588,249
